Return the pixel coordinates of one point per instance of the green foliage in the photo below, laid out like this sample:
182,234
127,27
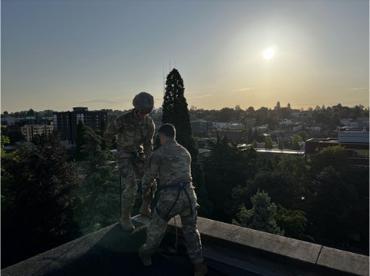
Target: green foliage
268,142
332,211
335,156
282,187
296,139
98,193
292,221
225,169
37,183
338,209
4,141
262,216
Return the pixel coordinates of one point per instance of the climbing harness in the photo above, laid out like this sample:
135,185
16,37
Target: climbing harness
181,186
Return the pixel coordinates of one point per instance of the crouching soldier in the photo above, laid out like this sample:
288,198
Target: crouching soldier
171,163
134,131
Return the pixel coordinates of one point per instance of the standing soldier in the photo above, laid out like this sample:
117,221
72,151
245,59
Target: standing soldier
171,163
134,131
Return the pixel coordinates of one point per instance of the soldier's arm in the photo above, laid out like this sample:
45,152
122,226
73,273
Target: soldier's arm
150,173
148,142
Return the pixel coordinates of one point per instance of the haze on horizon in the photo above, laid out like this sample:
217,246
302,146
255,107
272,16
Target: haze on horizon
60,54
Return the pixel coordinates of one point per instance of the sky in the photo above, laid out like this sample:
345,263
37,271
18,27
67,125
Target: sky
99,54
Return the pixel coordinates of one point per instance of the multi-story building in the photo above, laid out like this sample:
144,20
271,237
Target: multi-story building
355,141
235,132
66,122
201,128
30,131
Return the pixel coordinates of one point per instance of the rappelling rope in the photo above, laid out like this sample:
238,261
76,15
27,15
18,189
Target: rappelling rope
176,234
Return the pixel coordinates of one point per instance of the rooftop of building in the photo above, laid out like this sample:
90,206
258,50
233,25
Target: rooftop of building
228,249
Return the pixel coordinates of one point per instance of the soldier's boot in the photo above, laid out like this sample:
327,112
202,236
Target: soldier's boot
125,220
145,209
145,258
200,269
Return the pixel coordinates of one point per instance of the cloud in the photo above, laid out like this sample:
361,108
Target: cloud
244,89
98,101
201,96
360,89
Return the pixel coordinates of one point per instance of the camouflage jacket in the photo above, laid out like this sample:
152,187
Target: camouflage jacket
169,163
133,135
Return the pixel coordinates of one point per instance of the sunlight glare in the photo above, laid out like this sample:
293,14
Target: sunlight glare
268,53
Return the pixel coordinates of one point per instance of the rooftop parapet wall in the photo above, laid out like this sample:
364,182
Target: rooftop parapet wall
229,249
309,254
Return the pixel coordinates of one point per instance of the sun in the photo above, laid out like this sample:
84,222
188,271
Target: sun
268,53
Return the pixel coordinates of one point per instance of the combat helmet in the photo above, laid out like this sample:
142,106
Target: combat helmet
143,102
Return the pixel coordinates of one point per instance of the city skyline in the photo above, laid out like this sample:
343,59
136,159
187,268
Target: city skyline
60,54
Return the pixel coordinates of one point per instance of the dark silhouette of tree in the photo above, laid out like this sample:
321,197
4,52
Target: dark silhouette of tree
31,112
225,169
37,183
338,209
175,111
332,207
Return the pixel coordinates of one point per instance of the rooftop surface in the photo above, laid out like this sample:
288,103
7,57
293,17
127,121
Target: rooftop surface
229,250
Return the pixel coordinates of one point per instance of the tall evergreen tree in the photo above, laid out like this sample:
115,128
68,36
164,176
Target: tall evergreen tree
175,111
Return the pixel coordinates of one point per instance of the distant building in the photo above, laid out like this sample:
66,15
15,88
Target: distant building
355,141
8,120
262,128
201,128
314,129
250,122
286,123
66,122
297,128
353,136
235,132
30,131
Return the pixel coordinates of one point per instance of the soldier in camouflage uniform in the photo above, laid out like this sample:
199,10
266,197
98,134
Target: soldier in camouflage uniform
171,163
134,132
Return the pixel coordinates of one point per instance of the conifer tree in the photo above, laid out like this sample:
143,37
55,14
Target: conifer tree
175,111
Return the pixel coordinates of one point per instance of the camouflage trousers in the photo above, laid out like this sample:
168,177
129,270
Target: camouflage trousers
158,224
131,171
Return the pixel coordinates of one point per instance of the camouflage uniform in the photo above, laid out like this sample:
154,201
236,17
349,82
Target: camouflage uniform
171,164
134,146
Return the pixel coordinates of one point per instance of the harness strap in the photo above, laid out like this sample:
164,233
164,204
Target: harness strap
181,187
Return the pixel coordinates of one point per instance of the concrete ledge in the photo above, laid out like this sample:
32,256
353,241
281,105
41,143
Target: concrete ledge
344,261
310,253
56,257
227,247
